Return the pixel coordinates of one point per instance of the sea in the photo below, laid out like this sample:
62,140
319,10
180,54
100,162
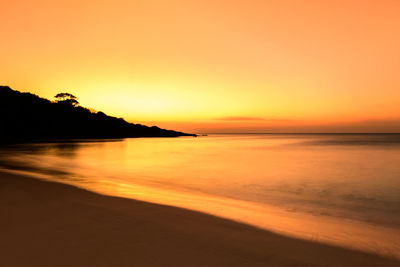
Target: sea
340,189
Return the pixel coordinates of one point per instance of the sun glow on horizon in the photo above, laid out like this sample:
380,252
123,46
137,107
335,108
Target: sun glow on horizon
297,65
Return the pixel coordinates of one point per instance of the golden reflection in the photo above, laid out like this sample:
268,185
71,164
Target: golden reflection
340,189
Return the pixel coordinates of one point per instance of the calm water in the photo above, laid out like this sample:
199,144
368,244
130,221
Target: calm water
342,189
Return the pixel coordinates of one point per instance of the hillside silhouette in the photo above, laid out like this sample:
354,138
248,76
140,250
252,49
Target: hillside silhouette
25,116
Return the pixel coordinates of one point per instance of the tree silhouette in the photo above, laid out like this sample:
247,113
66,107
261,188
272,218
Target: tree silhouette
24,116
66,98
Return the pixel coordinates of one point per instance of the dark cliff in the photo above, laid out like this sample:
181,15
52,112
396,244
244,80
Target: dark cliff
25,116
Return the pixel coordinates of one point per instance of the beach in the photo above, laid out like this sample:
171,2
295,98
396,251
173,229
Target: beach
200,133
52,224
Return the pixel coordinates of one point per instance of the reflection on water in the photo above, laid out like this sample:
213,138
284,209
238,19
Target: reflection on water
339,188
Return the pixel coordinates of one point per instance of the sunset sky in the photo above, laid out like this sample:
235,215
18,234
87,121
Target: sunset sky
213,66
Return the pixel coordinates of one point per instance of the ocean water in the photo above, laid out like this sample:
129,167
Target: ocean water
342,189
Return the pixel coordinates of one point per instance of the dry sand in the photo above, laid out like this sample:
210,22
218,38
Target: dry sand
51,224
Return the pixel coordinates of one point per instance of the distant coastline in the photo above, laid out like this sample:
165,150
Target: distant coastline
25,116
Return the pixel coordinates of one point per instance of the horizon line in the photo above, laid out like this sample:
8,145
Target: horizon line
306,133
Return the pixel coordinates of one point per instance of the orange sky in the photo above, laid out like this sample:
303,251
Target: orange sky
213,66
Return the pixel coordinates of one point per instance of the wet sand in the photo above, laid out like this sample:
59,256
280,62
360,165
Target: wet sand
52,224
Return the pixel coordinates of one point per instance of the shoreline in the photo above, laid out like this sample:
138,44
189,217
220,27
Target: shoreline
341,232
53,224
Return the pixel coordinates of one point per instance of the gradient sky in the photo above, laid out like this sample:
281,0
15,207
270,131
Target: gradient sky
213,66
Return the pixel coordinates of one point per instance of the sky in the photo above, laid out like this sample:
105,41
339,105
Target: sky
213,66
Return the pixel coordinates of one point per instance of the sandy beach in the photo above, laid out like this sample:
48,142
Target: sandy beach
51,224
